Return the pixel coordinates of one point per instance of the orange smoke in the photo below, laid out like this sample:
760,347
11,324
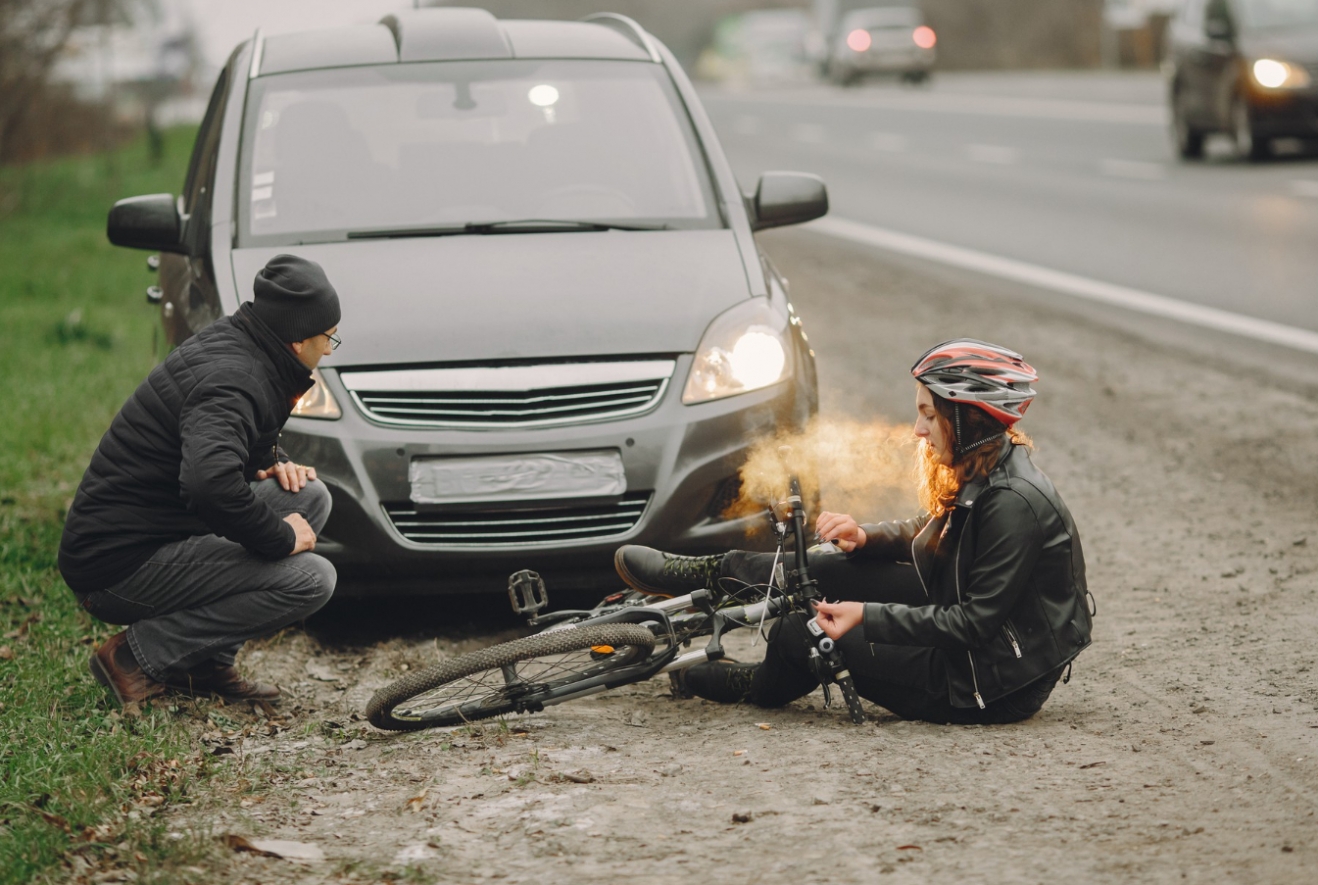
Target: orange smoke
863,468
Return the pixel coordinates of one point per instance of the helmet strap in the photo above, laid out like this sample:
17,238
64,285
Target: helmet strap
956,429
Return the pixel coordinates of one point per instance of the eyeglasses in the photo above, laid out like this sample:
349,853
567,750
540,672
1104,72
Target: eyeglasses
334,341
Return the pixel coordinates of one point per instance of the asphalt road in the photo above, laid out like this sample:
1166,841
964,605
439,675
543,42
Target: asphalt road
1068,172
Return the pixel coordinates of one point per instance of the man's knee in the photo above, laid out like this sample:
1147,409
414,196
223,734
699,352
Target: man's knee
313,501
316,578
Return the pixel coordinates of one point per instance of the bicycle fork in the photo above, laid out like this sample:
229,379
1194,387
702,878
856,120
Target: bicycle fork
828,665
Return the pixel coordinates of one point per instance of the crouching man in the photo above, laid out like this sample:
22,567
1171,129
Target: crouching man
191,525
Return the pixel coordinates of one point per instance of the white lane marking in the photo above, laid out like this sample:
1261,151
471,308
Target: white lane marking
746,125
887,141
992,153
1133,169
1070,284
1304,187
809,133
952,103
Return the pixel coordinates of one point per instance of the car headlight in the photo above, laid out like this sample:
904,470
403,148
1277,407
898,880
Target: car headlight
1273,74
317,402
744,349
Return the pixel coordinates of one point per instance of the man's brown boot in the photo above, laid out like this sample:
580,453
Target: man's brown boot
224,680
115,667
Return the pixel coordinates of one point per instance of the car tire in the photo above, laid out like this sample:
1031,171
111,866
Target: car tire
1188,141
1249,145
915,78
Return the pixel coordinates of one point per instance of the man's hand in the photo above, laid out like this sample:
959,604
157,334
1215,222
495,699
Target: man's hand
838,618
306,537
841,529
293,477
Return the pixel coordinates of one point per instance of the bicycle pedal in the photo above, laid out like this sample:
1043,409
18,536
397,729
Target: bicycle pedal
527,593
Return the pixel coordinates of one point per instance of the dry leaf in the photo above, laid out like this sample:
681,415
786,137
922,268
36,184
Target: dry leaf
6,653
317,670
763,726
738,752
303,852
414,804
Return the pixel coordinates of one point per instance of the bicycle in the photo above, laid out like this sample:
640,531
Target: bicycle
629,637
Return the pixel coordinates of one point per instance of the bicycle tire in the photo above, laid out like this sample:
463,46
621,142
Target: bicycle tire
476,685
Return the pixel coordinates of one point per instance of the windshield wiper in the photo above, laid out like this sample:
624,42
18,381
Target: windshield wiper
524,226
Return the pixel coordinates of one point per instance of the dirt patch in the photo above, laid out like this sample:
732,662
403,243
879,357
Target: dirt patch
1182,750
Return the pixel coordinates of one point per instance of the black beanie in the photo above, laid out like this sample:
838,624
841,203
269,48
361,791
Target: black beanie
295,299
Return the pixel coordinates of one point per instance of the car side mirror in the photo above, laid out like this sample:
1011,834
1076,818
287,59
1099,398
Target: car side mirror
788,198
150,222
1219,29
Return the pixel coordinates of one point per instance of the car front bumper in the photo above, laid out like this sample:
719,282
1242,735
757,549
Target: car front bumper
682,459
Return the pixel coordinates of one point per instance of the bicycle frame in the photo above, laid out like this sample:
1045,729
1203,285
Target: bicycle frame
798,595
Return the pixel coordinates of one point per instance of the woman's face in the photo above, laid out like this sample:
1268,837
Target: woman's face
929,428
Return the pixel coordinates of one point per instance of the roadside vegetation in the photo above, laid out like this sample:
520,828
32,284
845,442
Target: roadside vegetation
81,782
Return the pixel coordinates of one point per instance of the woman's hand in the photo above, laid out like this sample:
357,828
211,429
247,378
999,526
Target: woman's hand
841,529
292,477
838,618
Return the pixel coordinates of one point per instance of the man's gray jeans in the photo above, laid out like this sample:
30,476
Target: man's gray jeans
202,598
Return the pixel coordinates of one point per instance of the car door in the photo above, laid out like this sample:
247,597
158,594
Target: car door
190,299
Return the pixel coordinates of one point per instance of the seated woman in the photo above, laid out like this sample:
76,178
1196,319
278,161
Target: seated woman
966,614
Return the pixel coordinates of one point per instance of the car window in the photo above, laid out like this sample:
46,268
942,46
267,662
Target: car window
201,168
1272,14
438,144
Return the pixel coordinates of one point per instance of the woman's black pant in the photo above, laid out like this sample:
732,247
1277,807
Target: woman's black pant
911,681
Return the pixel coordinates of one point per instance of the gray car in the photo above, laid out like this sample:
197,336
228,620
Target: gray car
559,333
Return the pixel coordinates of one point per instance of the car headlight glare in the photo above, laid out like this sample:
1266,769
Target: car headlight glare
1273,74
744,349
317,402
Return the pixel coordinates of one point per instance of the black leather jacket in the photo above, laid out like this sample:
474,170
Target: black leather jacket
1005,577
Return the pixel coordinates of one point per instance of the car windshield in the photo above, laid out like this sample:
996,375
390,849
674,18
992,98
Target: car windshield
435,146
1272,14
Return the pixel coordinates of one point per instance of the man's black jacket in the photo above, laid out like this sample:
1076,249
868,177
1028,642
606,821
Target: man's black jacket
177,459
1005,577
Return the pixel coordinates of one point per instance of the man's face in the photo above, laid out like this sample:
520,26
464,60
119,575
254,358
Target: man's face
314,349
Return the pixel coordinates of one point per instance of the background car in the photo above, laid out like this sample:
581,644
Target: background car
1248,68
880,39
559,333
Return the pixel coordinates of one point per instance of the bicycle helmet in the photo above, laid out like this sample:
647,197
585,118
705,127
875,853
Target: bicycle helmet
977,373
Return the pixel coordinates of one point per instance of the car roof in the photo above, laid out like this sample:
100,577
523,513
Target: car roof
451,34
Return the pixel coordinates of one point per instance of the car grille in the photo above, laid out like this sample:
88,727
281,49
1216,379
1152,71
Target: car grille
507,528
520,396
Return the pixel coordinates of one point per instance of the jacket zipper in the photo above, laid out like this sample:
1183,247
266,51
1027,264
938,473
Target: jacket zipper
1011,637
916,562
974,677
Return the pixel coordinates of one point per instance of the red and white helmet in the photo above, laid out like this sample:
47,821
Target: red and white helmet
993,378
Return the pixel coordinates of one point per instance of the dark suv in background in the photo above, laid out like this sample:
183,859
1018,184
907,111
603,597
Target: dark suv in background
1248,68
559,333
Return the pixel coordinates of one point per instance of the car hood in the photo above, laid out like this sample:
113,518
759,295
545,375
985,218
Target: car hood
1299,45
519,296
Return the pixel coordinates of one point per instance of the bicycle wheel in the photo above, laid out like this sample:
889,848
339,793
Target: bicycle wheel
520,676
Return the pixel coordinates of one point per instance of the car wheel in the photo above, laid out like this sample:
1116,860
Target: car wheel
1189,142
1249,145
915,78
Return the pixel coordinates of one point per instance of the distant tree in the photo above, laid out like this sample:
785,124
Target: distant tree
33,34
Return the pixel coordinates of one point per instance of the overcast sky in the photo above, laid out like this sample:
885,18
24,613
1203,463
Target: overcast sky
223,24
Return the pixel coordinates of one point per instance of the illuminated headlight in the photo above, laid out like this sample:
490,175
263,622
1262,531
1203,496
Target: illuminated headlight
317,402
744,349
1273,74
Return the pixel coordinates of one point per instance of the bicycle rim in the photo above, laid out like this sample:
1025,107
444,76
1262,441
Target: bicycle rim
521,676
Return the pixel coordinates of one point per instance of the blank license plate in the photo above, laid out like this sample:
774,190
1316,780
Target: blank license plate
505,478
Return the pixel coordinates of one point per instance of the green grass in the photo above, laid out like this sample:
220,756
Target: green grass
77,778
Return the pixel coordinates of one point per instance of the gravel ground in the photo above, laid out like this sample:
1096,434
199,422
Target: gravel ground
1183,749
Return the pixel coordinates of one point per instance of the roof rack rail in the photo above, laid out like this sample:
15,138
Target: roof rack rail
629,28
